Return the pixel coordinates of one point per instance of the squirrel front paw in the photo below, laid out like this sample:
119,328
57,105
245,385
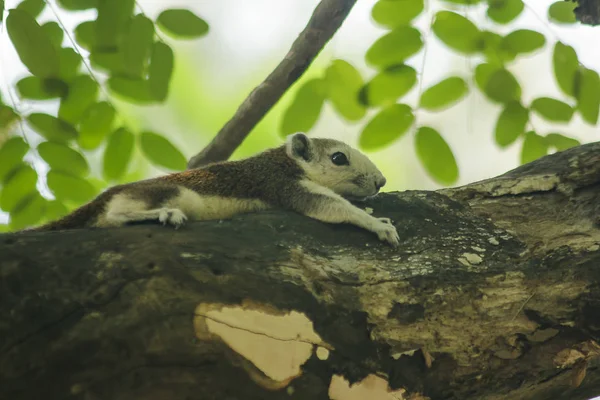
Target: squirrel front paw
386,231
172,216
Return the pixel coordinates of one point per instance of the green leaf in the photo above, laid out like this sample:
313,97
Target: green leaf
161,152
85,35
444,94
77,5
511,123
70,187
55,210
390,84
11,155
96,123
54,33
34,88
534,147
32,7
588,95
436,156
560,142
566,64
343,85
456,32
502,86
28,212
491,47
394,13
562,12
117,154
394,47
52,128
138,43
160,71
7,117
63,158
83,92
463,2
552,109
483,72
134,90
1,18
523,41
504,11
182,23
70,62
33,45
18,186
387,126
304,111
112,63
113,17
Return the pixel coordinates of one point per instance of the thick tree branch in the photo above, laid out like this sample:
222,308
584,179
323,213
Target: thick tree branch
588,12
325,21
492,294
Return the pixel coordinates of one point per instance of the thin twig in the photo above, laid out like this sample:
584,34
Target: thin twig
324,22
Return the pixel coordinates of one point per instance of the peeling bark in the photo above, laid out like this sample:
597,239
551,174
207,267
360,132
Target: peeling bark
493,294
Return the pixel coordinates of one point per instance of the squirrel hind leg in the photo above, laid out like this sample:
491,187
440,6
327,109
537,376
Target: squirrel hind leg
123,209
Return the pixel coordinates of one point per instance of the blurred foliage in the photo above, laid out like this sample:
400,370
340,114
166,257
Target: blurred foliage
126,48
126,63
494,53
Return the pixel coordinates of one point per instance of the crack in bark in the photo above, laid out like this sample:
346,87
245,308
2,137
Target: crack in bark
42,329
279,339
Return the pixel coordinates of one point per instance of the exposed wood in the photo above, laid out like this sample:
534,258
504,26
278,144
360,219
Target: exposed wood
493,294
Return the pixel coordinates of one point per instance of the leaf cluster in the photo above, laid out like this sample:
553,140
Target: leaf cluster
352,96
125,47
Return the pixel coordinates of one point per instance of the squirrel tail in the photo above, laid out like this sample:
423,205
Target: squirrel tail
80,218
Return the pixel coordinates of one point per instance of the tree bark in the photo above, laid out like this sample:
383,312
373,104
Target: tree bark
493,294
588,12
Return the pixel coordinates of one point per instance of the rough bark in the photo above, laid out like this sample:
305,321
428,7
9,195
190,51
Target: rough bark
588,12
493,294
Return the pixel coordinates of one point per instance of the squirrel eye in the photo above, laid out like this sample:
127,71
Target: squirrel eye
339,159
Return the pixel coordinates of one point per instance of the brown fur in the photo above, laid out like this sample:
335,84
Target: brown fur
250,178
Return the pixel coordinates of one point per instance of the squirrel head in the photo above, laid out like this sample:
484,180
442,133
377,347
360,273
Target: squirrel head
335,165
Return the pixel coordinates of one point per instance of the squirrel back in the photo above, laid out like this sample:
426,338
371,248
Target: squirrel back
315,177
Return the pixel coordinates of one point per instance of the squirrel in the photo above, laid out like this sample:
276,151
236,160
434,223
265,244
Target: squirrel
315,177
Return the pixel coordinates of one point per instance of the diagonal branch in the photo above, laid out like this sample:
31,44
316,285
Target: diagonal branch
324,22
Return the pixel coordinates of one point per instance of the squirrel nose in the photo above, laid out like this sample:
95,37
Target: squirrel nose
380,182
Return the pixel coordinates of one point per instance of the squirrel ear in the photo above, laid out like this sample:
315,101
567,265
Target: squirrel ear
298,145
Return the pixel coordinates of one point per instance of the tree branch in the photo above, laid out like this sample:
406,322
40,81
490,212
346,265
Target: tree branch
588,12
492,294
325,21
